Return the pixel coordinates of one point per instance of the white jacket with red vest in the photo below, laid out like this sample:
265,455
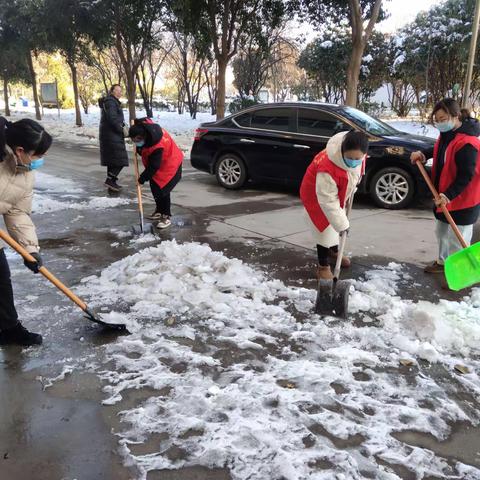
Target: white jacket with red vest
326,186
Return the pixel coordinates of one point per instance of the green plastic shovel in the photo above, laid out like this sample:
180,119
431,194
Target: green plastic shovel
462,269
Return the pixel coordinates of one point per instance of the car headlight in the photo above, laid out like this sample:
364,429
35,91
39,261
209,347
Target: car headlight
429,163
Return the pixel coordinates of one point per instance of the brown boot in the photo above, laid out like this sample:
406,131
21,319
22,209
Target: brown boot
346,263
434,267
324,273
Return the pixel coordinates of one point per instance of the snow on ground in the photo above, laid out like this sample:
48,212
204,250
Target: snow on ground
248,378
54,193
63,128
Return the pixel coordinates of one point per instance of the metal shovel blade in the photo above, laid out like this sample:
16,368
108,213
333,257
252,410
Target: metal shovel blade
462,269
93,318
332,298
147,228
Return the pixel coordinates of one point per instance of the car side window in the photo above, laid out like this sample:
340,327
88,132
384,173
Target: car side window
317,122
271,119
243,120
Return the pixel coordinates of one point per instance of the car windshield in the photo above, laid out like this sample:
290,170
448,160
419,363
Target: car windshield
368,123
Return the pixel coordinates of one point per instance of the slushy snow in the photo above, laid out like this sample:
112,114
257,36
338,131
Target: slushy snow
244,376
53,194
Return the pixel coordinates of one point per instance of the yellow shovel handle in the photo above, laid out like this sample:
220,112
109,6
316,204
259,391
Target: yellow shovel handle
46,273
436,196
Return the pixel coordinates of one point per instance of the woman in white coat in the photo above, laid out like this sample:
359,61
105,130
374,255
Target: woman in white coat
328,184
22,146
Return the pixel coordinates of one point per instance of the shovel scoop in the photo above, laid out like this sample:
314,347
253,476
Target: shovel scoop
462,269
332,298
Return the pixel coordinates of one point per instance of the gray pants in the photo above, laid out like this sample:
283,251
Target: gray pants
448,242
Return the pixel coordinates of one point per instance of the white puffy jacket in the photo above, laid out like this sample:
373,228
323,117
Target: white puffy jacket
327,195
16,193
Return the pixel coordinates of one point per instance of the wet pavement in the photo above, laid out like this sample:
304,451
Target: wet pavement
62,431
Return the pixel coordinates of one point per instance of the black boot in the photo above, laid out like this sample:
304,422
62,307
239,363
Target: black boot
19,335
111,184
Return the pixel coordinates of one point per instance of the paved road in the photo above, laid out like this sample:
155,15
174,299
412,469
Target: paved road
63,432
276,214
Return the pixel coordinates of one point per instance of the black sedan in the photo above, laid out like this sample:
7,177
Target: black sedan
276,143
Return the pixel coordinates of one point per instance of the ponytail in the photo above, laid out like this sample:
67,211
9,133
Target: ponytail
465,114
25,133
4,123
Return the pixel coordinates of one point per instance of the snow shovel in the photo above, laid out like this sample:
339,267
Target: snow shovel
51,278
143,227
332,295
462,269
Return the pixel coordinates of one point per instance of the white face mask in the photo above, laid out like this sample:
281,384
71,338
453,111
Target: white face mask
445,126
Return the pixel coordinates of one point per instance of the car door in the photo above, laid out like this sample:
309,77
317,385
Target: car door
314,127
267,142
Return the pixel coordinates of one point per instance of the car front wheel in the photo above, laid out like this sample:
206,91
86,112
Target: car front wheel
392,187
231,172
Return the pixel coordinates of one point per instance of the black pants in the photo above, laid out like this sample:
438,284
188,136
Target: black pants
162,199
323,253
8,314
113,172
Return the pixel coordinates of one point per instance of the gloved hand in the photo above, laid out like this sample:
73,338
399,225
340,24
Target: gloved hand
34,266
142,179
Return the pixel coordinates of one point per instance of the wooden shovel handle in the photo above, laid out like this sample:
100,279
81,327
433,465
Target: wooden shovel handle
137,176
436,196
46,273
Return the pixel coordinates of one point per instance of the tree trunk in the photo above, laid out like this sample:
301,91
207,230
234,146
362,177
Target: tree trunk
33,79
147,104
221,93
353,70
78,113
130,78
5,98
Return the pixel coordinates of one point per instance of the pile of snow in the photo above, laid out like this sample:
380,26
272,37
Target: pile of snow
249,379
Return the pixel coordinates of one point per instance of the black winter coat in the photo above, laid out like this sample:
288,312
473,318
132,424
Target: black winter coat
466,159
112,142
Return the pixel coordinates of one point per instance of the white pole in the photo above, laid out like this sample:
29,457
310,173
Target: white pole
471,55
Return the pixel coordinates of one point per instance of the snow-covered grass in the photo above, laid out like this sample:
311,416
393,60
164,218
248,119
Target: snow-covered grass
182,127
63,128
249,378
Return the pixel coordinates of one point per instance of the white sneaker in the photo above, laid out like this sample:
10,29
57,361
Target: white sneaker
164,222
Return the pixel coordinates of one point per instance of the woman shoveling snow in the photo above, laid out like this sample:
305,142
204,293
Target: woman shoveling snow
455,175
162,160
330,180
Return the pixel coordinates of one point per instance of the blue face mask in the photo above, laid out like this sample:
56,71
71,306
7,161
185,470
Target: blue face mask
36,164
445,126
352,162
140,144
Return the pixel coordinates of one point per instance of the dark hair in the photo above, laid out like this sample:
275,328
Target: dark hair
25,133
451,106
112,88
137,130
354,140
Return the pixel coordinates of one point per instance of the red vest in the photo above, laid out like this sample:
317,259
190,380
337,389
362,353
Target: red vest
308,194
470,197
171,159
